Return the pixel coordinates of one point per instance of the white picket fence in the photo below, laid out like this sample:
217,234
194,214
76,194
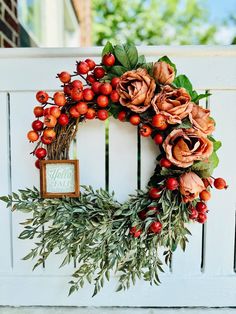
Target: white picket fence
205,274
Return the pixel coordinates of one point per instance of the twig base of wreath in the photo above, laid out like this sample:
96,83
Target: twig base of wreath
59,178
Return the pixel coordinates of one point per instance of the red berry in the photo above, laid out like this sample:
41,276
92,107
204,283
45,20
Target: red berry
102,101
154,193
105,89
32,136
96,87
136,233
122,116
42,97
63,119
205,195
220,184
74,113
77,84
164,162
37,163
108,59
156,227
37,125
90,63
59,98
145,130
50,121
49,134
135,119
88,94
201,207
193,213
142,214
202,218
172,184
99,72
82,107
76,94
102,114
46,140
90,114
46,111
64,77
38,111
159,121
114,96
68,89
115,81
40,153
158,139
90,79
55,111
82,67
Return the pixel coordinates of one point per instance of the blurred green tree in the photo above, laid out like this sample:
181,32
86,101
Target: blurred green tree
152,22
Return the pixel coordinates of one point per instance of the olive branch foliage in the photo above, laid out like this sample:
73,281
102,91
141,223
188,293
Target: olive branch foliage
92,233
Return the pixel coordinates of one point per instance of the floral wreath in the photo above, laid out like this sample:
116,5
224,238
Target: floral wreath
94,230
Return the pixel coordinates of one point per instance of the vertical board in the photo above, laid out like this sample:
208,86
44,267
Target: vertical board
91,153
24,172
5,221
122,159
220,231
189,261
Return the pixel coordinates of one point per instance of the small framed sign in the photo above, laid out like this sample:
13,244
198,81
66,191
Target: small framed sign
59,178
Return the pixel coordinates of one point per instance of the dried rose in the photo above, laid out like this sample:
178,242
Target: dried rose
136,89
190,185
184,146
200,118
163,72
174,104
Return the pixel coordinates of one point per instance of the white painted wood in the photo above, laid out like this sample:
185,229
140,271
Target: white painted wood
24,172
122,159
192,61
189,261
174,292
220,229
5,221
91,153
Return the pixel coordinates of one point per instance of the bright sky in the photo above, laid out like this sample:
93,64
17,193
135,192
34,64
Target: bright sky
220,9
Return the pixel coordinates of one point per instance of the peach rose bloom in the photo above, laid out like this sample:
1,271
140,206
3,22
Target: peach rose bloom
163,72
184,146
173,103
190,185
200,118
136,89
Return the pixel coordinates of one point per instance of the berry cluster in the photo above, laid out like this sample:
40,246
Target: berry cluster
79,100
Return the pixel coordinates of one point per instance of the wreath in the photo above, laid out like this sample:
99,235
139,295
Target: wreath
94,231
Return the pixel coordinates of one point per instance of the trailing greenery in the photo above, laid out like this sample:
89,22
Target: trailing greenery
93,231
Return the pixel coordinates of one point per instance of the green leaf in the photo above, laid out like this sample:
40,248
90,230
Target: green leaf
4,199
149,67
127,55
108,48
196,97
183,81
186,124
167,60
216,144
141,59
118,70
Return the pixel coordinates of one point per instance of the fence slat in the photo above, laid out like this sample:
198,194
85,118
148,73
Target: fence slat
220,228
122,159
190,260
24,173
5,221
